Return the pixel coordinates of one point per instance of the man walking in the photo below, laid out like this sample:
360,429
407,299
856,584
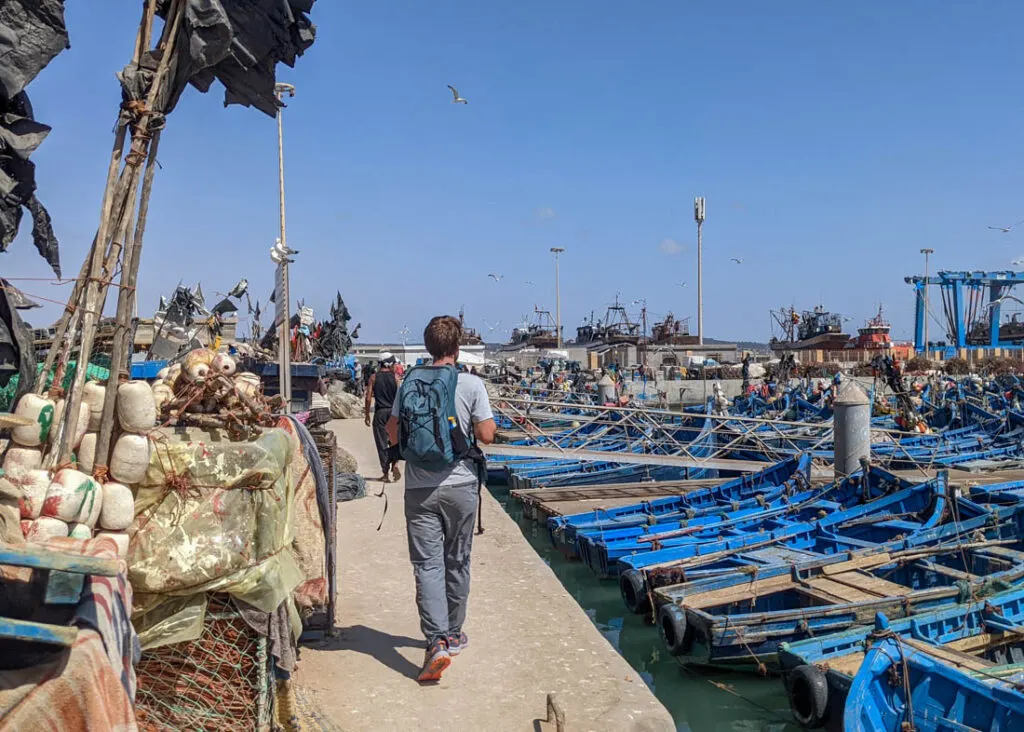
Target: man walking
437,418
381,390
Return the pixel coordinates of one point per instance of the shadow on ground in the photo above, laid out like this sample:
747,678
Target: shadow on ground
380,646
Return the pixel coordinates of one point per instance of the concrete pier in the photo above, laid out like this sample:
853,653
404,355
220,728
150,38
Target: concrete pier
528,636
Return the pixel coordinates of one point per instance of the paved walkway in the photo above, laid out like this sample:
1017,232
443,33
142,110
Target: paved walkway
528,636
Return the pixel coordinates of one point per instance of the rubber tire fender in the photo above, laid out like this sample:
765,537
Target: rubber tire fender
634,591
807,689
674,630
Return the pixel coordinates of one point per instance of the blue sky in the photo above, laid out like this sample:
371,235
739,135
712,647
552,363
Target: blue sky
832,141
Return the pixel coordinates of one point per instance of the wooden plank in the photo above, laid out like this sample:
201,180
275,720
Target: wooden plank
844,592
950,655
746,592
40,558
869,560
58,635
875,585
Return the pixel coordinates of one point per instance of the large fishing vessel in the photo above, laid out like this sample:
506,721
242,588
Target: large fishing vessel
875,334
541,333
817,329
617,328
672,332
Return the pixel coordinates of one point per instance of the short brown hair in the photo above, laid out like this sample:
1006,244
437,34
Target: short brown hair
442,336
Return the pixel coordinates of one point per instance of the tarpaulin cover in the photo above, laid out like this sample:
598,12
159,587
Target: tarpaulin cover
211,515
32,32
17,352
237,42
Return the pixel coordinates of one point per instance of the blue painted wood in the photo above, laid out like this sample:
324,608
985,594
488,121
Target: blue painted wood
40,558
25,630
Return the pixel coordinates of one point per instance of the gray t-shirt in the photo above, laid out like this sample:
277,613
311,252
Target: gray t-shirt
472,406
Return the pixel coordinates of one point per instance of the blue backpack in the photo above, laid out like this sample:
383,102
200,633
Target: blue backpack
428,429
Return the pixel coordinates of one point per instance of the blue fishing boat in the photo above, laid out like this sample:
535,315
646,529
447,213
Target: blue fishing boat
902,686
740,619
818,671
742,492
601,549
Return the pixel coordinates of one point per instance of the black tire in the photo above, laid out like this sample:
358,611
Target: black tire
634,591
808,696
674,630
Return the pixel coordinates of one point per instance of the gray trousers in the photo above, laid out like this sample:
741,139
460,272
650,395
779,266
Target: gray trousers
439,522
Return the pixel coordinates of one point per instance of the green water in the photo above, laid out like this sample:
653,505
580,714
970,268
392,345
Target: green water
690,696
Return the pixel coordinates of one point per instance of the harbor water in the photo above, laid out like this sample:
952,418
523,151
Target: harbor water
699,700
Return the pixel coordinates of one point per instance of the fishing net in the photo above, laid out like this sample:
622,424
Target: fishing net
222,680
98,370
211,516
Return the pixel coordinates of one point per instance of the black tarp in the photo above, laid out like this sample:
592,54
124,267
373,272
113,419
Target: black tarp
236,42
17,352
32,32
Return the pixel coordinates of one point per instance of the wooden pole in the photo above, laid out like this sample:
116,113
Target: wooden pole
123,333
127,185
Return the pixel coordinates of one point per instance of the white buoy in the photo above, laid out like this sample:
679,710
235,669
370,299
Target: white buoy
130,459
162,393
79,531
19,460
80,427
33,485
46,527
40,411
136,409
248,385
73,497
87,452
94,394
118,509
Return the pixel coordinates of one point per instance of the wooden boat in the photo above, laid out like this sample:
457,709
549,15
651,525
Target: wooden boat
741,619
602,549
904,686
742,492
982,635
907,519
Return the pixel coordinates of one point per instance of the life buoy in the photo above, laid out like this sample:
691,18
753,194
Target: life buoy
807,688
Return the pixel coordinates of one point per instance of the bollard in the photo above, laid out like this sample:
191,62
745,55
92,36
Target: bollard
852,428
606,389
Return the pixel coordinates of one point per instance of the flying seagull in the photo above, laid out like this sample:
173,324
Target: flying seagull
682,284
737,260
496,277
1006,229
1017,262
528,283
456,99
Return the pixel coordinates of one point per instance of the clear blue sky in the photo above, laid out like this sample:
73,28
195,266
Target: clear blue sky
832,141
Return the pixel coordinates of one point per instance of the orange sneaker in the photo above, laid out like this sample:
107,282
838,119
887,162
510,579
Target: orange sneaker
436,661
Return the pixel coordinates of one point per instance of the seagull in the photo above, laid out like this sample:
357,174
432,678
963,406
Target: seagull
456,99
528,283
277,257
1006,229
737,260
496,277
492,328
286,251
681,284
1017,262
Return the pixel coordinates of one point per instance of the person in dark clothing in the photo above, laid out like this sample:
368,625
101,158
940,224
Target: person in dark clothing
381,390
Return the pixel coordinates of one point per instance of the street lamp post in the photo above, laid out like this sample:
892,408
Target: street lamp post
926,252
558,298
698,216
283,299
